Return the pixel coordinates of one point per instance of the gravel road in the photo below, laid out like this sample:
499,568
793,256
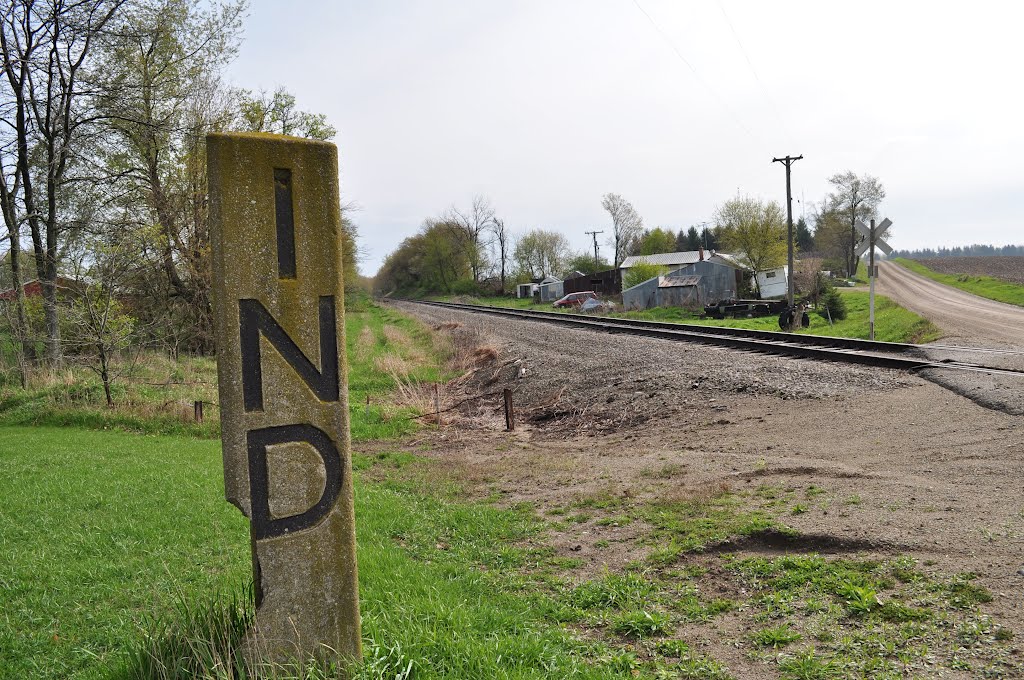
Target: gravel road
959,314
970,321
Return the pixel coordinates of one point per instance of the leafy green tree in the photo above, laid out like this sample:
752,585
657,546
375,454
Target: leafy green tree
541,252
47,60
755,230
831,239
162,93
100,326
583,261
654,241
278,113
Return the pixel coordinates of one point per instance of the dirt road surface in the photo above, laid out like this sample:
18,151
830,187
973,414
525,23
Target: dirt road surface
904,466
958,313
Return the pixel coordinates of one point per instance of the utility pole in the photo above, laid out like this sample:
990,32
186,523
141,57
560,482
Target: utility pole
597,262
704,233
788,161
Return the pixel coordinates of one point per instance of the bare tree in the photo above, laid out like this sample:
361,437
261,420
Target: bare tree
10,187
474,225
856,197
46,48
626,224
501,242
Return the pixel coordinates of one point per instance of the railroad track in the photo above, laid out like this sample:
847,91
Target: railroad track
896,355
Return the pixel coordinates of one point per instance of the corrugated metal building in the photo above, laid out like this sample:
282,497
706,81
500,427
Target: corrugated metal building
695,285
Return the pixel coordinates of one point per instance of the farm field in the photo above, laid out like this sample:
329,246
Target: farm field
1005,267
999,278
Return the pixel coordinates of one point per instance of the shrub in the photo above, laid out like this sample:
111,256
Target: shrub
831,303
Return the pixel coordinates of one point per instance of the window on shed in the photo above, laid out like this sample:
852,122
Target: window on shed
769,275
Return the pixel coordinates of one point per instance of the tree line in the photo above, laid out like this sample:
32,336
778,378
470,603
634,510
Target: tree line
104,109
974,250
472,251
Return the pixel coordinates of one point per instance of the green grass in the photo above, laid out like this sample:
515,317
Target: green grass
892,322
386,348
101,532
156,395
106,537
983,286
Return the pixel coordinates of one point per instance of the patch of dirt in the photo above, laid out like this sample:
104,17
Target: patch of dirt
773,541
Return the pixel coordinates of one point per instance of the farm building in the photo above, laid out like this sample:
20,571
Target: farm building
695,285
34,288
604,283
551,289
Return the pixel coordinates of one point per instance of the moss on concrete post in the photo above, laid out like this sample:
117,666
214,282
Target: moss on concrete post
280,331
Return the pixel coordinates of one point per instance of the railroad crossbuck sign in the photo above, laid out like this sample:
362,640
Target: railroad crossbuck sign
865,231
872,239
275,226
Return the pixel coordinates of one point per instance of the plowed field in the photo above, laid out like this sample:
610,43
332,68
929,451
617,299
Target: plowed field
1006,267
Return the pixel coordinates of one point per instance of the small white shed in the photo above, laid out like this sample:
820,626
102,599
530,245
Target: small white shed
773,282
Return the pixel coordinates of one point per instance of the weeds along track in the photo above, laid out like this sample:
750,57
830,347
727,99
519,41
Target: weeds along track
901,356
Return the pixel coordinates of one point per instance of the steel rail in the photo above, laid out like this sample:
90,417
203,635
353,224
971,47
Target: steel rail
846,350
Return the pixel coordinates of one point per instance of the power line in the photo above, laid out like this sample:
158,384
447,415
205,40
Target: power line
670,43
764,90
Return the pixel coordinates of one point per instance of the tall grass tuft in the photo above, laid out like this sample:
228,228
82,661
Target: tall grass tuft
198,640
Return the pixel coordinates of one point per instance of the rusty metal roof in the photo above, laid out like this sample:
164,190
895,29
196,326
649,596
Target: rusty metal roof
677,281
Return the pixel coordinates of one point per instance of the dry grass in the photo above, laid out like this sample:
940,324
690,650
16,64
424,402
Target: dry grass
394,335
364,343
394,365
484,354
430,399
696,495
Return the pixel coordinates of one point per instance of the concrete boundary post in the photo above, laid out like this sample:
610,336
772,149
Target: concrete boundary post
280,331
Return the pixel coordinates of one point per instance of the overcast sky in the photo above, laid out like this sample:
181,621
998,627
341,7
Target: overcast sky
543,106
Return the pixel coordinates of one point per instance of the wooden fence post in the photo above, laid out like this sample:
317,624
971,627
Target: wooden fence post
510,421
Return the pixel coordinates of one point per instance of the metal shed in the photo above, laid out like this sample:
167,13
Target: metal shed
551,289
694,285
